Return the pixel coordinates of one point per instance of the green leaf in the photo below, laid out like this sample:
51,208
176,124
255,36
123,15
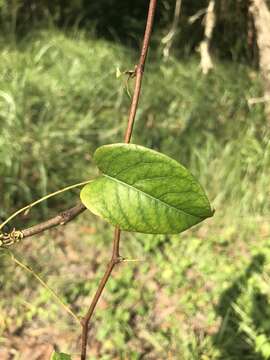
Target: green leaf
60,356
145,191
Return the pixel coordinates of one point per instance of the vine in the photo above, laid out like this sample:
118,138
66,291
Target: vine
138,190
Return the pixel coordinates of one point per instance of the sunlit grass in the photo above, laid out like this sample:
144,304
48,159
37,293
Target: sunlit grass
201,295
60,99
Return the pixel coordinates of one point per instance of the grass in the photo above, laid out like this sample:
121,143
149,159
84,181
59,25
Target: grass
201,295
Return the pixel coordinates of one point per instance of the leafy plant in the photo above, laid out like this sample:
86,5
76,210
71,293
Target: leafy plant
139,190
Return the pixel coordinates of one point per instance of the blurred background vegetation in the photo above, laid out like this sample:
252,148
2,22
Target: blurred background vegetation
204,294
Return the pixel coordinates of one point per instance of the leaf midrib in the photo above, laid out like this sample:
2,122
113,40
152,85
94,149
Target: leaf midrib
151,197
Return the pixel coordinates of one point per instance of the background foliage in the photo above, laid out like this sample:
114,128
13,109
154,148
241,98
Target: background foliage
201,295
123,20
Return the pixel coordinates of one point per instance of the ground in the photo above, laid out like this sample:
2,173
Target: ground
198,295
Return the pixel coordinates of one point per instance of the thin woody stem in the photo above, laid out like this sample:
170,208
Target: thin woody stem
61,219
116,243
140,69
116,258
86,319
15,236
46,197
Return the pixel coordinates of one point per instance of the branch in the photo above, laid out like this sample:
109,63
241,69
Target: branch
168,39
258,100
206,61
139,70
116,258
196,16
8,239
61,219
261,16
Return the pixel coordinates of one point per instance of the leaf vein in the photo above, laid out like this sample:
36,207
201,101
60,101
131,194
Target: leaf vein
153,198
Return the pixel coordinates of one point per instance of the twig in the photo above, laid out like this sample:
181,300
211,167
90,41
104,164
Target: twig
116,258
139,69
168,39
8,239
61,219
132,260
206,63
29,207
196,16
258,100
51,291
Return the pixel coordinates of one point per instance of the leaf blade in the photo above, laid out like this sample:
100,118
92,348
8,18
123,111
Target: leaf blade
137,193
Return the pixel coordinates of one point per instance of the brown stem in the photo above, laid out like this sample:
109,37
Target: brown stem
117,234
85,321
139,69
61,219
116,258
8,239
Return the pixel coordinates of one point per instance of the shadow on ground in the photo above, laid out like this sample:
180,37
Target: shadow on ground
231,340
